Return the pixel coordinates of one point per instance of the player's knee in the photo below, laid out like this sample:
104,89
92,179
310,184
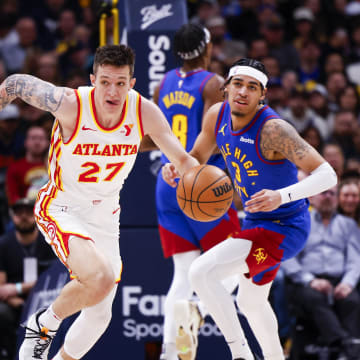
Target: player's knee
197,273
247,303
102,282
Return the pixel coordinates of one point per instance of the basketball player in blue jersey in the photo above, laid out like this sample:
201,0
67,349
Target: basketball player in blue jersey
95,141
184,95
262,153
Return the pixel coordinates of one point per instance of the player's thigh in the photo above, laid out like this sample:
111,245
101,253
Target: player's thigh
85,260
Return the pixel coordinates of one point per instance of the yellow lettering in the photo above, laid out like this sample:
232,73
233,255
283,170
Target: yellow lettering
252,172
166,101
191,102
248,164
237,153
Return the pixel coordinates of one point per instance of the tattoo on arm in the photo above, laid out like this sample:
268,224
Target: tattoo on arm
280,137
32,90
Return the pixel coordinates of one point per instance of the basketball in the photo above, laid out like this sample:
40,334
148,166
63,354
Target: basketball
204,193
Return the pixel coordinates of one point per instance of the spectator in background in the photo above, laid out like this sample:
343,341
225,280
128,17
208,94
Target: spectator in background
348,99
285,52
338,42
325,274
11,136
335,83
14,55
300,115
334,155
224,49
309,69
22,173
304,26
23,255
289,81
349,199
258,49
45,66
333,62
355,44
276,96
318,102
272,67
344,127
11,148
65,31
206,9
312,135
244,26
336,16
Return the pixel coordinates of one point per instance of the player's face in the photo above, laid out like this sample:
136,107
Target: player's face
244,94
112,84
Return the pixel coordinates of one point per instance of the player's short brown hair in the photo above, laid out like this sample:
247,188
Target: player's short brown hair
115,55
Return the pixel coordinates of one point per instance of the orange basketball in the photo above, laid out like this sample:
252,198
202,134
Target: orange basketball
204,193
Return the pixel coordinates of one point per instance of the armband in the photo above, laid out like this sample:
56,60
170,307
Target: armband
321,179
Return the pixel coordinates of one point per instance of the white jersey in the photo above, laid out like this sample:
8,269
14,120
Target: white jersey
95,161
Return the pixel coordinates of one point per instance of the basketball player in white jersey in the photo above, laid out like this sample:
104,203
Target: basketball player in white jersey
95,140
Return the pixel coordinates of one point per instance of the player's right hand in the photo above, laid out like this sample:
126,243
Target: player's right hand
169,174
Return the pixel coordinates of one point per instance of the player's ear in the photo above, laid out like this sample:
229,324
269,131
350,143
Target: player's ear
132,82
92,79
263,94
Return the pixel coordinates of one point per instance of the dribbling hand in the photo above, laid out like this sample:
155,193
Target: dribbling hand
169,174
263,200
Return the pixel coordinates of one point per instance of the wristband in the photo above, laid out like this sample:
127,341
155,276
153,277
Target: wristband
18,288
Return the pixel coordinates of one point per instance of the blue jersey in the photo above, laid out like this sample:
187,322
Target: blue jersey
249,170
180,99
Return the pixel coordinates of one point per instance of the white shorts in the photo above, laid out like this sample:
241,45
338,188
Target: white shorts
97,221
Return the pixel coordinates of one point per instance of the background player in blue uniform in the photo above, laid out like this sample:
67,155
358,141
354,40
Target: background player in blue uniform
261,152
184,95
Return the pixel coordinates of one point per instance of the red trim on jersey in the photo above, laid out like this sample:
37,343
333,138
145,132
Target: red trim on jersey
122,116
188,73
218,121
174,244
225,229
248,126
203,83
76,129
140,117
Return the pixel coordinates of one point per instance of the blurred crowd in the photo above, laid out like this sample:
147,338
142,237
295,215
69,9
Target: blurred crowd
310,48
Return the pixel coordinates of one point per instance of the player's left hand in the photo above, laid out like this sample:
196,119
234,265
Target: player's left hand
169,174
263,200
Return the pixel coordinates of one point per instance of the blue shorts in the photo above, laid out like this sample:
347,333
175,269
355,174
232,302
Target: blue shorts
179,233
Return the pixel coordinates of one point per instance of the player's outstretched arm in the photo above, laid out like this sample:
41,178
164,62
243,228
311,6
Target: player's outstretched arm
280,140
156,126
60,101
205,143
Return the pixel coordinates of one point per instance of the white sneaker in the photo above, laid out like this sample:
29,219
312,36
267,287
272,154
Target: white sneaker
188,321
37,339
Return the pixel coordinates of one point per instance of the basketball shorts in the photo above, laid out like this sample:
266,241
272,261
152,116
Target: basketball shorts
179,233
94,221
273,241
